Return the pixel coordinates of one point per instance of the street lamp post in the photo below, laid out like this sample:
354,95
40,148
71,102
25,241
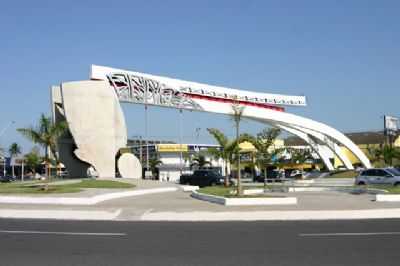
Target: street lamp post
140,150
146,129
147,138
180,141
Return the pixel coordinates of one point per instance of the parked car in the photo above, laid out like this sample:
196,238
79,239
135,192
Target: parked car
6,179
296,174
202,178
381,176
272,176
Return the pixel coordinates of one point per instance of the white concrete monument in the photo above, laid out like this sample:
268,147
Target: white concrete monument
97,126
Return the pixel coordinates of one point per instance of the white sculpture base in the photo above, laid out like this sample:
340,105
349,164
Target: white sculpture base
129,166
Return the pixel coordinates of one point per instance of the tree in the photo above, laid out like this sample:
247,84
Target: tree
3,157
153,164
33,159
299,156
263,142
226,151
14,151
46,134
200,161
385,154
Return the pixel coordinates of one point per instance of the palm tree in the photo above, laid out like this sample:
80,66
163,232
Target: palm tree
263,142
46,134
153,164
3,157
200,161
14,151
226,151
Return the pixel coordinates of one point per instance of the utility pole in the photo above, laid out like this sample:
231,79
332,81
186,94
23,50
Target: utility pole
22,170
146,129
147,138
197,133
140,149
4,164
237,116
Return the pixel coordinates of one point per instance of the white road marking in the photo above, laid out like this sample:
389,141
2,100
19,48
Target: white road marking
350,234
61,233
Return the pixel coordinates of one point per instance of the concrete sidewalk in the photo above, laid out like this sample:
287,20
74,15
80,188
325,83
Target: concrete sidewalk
180,206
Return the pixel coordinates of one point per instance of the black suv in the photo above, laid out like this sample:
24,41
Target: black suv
202,178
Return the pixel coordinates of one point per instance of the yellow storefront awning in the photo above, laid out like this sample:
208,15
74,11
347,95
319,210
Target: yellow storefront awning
172,148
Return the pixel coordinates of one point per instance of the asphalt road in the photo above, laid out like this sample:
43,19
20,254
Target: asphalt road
34,242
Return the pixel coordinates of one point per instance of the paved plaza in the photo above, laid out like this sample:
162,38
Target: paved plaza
179,202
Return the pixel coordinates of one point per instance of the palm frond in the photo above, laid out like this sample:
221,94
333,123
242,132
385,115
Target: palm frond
31,134
56,130
215,153
220,137
44,123
14,149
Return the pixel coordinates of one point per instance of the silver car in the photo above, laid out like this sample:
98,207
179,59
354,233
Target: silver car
381,176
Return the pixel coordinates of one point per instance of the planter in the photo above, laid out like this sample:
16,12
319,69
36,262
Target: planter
309,189
253,191
259,201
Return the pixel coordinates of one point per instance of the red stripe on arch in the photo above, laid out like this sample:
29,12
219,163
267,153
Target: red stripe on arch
222,100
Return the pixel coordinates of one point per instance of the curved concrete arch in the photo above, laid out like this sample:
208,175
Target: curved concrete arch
330,144
270,116
321,150
325,148
203,97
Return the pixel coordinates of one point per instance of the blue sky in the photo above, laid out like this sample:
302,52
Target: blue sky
343,55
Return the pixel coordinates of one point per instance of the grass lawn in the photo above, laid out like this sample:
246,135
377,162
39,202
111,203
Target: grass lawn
225,192
36,187
19,188
390,189
343,174
95,183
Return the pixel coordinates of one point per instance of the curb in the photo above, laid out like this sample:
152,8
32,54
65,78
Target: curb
272,215
60,214
83,200
187,188
387,198
257,201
